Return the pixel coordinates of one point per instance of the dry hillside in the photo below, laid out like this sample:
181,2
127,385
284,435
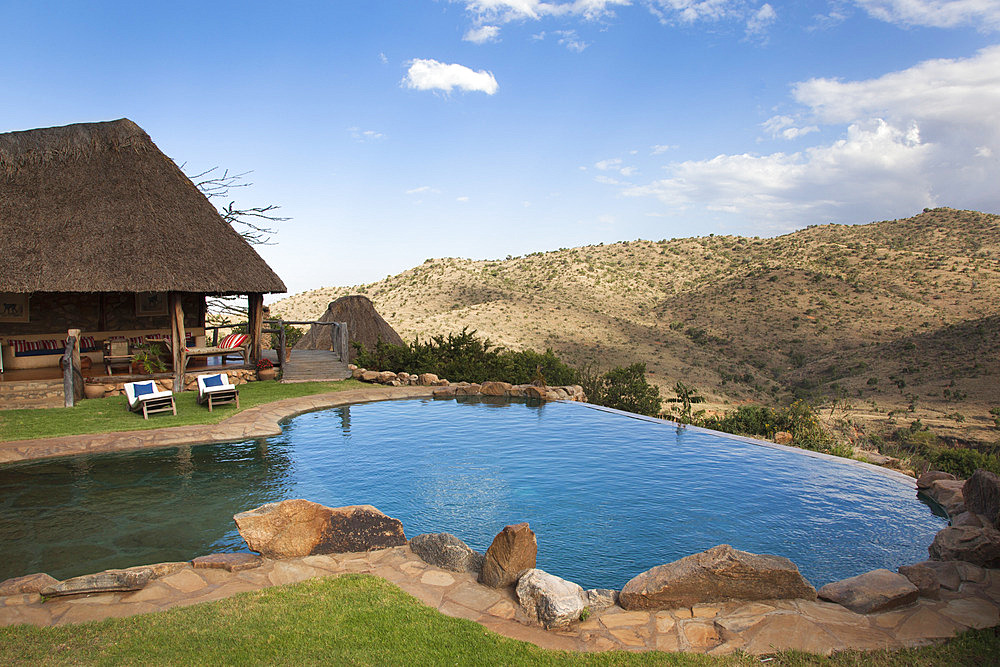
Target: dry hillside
881,317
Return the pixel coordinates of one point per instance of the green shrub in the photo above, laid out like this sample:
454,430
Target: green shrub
963,462
624,389
464,357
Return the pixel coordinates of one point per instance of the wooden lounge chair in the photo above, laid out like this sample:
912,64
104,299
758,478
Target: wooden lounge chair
215,389
147,397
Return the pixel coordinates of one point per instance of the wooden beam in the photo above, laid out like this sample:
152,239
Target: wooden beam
177,338
255,312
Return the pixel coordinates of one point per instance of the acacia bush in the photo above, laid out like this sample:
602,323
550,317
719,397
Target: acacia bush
623,389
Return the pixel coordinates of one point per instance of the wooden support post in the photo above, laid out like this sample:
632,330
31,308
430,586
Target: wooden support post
281,345
345,348
255,312
72,389
178,339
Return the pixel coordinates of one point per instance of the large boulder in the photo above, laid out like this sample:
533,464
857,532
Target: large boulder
979,546
427,379
364,325
721,573
495,388
928,478
875,591
298,527
131,579
513,551
446,551
924,578
982,496
948,494
29,583
549,600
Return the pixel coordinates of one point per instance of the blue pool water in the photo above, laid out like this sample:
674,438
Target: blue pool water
608,496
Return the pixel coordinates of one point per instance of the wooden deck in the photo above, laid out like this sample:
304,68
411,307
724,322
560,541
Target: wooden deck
314,366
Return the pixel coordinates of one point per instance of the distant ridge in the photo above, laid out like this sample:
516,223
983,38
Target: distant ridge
884,311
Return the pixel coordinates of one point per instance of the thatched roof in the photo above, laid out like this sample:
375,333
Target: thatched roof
364,325
96,207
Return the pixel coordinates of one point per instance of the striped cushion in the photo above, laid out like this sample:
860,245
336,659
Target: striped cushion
233,341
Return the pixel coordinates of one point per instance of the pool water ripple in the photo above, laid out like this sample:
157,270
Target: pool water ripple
608,496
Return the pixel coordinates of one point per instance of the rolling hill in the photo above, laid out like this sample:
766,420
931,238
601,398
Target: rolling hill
899,318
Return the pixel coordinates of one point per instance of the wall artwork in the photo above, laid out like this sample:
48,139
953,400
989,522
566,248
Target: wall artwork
13,307
148,304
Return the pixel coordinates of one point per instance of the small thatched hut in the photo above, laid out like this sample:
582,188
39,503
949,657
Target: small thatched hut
103,232
364,325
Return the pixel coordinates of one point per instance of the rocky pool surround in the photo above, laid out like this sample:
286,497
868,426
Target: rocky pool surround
717,601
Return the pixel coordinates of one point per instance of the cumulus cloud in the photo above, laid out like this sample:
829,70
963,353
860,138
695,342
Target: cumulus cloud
923,136
761,20
482,34
571,40
433,75
983,14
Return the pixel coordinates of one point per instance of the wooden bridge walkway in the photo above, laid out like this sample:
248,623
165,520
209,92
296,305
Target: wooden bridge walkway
314,365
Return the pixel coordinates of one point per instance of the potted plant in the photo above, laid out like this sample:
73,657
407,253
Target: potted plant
265,370
146,360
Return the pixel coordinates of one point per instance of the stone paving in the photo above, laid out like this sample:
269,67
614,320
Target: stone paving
259,422
755,627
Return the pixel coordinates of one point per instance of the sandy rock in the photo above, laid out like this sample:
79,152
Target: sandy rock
946,572
446,551
427,379
531,391
721,573
495,388
924,578
875,591
444,392
549,600
358,373
442,383
979,546
948,494
385,377
302,528
108,581
29,583
783,438
467,390
967,519
370,376
236,562
982,496
513,551
928,478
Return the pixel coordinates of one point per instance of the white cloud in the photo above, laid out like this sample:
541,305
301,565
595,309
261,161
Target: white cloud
364,135
462,199
433,75
504,11
423,189
761,20
923,136
604,165
659,149
571,40
482,34
383,59
982,14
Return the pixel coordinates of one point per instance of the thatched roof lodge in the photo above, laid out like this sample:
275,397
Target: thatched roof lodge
99,229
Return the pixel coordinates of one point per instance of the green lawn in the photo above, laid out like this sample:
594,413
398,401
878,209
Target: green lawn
364,620
104,415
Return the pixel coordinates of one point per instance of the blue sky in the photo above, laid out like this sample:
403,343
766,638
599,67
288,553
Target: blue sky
390,132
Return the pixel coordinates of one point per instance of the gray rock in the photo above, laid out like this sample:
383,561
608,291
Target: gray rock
29,583
982,496
108,581
549,600
875,591
721,573
928,478
601,598
948,494
979,546
513,551
446,551
924,578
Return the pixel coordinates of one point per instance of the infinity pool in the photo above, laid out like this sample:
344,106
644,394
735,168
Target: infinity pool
608,495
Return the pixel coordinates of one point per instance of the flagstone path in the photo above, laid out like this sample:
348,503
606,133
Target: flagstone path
755,627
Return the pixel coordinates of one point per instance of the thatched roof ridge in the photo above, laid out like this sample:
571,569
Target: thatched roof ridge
96,207
364,325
